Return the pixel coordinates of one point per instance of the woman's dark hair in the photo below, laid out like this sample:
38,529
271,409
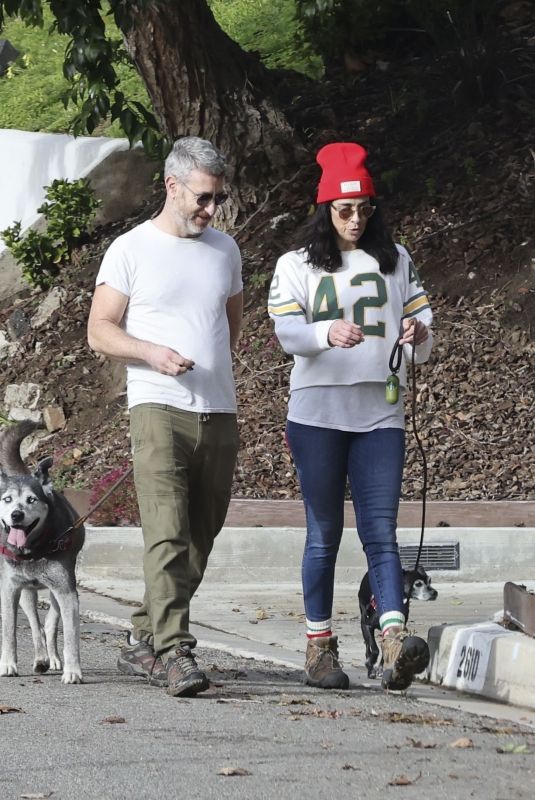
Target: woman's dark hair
318,238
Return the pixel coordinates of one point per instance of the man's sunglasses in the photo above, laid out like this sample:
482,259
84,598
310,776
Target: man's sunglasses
204,199
345,212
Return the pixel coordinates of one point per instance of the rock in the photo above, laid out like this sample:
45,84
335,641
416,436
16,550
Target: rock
54,418
18,324
7,349
22,395
51,303
18,414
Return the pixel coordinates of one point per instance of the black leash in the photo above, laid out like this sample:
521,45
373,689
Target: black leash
392,395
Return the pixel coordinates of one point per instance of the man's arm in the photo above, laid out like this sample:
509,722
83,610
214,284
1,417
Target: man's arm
105,335
234,316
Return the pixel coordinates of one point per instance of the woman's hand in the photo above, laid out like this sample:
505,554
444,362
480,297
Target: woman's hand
344,334
414,332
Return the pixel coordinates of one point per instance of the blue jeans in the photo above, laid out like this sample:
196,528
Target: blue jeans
325,458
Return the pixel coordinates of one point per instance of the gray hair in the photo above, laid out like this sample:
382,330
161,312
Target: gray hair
191,152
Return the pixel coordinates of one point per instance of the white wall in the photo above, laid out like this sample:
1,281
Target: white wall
31,161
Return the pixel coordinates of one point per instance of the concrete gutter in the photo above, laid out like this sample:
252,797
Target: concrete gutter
259,568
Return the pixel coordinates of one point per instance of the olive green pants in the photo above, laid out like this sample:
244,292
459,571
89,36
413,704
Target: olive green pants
183,468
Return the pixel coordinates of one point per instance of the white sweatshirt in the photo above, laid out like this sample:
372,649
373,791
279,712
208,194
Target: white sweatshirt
304,302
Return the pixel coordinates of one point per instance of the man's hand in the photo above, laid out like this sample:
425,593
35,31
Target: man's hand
167,361
344,334
414,332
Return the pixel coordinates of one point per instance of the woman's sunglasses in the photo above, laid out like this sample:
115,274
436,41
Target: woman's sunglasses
204,199
345,212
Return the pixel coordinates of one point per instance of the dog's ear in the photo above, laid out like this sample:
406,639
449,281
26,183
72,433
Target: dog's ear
3,475
41,473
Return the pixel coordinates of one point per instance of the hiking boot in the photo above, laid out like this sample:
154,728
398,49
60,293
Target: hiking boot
184,677
140,659
322,668
404,656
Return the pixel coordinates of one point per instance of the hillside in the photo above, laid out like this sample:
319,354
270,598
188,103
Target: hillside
457,185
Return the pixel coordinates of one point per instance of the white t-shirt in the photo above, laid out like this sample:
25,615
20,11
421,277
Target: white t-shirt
177,290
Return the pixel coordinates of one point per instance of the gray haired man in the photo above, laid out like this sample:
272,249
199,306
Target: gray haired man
169,302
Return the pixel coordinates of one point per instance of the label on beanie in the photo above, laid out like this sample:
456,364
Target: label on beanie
350,186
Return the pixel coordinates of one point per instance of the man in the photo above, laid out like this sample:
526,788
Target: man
169,302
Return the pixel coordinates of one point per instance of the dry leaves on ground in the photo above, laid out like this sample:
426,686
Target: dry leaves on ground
10,710
404,780
229,771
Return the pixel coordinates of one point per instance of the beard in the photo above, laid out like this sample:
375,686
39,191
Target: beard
193,226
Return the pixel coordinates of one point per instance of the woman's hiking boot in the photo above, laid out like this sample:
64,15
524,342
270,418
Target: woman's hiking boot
404,656
322,668
140,659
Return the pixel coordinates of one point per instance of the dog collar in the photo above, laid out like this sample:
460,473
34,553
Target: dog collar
58,545
6,551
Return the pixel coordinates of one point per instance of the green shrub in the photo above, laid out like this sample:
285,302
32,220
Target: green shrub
69,208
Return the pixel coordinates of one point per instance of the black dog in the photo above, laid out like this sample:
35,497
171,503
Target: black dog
420,582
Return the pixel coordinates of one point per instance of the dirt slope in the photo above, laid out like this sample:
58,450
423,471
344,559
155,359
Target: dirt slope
458,188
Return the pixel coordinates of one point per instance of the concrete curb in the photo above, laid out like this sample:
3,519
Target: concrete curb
268,555
484,659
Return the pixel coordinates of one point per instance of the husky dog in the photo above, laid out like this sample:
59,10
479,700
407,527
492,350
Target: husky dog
38,549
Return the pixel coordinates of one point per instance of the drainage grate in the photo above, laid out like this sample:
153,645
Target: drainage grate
434,556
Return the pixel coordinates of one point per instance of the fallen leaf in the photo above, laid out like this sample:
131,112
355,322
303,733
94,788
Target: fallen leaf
288,700
325,713
233,771
463,742
507,729
114,719
35,796
404,780
420,745
514,749
415,719
10,710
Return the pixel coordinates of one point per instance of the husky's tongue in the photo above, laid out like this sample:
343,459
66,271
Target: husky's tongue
17,537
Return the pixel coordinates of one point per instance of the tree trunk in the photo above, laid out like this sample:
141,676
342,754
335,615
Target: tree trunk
202,83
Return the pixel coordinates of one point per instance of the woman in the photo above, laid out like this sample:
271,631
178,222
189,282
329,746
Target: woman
340,302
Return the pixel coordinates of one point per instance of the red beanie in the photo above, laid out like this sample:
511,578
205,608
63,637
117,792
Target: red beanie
344,173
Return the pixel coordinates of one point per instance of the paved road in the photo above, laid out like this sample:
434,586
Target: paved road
291,741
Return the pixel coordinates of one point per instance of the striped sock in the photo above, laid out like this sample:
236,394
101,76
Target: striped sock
316,629
391,619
